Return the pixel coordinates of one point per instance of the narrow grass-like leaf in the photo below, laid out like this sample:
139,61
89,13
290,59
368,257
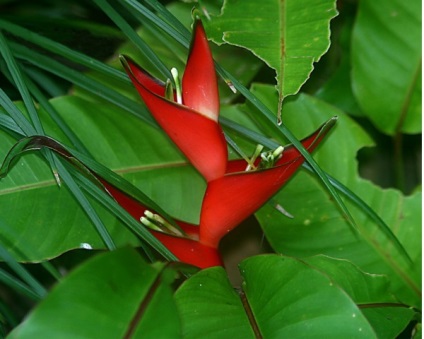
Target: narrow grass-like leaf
8,123
161,9
20,84
64,51
25,145
19,81
49,267
42,100
36,287
122,214
83,81
46,82
17,285
133,36
248,133
122,184
177,35
85,164
94,188
86,205
16,114
8,316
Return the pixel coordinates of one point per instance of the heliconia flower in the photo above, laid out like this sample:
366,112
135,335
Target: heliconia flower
239,193
235,189
187,249
193,125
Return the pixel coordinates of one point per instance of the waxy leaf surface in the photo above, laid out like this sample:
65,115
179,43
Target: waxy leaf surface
47,219
318,227
289,36
386,64
114,295
292,303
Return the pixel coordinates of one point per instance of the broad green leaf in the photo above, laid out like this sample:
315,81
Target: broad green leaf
210,308
280,297
338,89
289,36
296,301
386,315
362,287
113,295
386,61
317,226
388,321
33,230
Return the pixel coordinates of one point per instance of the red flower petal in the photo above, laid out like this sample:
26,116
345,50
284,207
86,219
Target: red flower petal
198,137
142,77
190,251
186,250
200,89
232,198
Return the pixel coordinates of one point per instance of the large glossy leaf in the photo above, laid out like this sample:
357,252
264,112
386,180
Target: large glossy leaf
337,90
209,307
288,35
113,295
43,220
362,287
317,226
280,297
388,317
386,60
390,322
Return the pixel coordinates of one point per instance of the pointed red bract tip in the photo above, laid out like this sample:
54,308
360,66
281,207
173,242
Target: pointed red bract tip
200,88
186,250
190,251
141,76
199,138
231,199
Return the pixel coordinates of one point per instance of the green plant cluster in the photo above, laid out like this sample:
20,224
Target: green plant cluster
342,260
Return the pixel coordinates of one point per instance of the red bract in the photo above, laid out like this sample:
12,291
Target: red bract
188,250
192,126
232,193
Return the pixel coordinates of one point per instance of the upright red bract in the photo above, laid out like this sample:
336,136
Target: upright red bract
232,193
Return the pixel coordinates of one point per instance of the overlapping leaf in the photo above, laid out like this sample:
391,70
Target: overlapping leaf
43,219
386,58
292,303
318,228
114,295
288,35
